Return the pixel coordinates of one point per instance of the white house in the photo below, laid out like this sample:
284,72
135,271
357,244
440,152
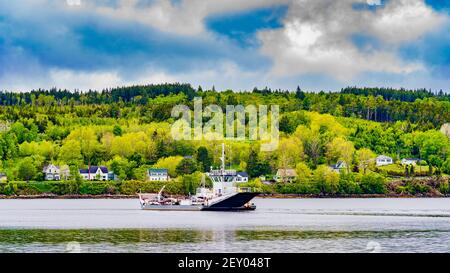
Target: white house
3,178
112,176
410,161
158,175
339,166
95,173
287,175
52,172
384,160
241,177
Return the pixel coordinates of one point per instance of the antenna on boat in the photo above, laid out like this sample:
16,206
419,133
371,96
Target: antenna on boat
223,162
222,158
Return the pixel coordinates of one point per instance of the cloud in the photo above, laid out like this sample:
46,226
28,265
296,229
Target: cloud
403,21
317,44
103,79
36,41
316,37
185,17
224,74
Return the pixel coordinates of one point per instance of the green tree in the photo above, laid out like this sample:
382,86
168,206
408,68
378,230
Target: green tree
257,167
121,167
204,159
186,166
434,147
366,159
70,152
303,171
341,149
285,125
26,169
373,183
327,181
191,182
117,130
170,163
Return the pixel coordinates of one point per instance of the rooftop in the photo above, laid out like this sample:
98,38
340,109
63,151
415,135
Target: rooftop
94,169
243,174
153,170
384,157
46,167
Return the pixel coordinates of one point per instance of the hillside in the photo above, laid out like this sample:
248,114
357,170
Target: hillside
128,130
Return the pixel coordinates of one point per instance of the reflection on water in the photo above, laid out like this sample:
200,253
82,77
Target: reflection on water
313,225
124,236
138,240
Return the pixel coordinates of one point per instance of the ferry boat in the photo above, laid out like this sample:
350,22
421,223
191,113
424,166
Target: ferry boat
225,195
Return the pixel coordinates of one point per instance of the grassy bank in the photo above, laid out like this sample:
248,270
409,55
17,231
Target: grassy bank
429,187
74,188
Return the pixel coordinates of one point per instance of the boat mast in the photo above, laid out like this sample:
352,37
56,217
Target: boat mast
223,162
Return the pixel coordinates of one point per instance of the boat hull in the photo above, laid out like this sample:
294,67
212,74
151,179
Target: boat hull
237,202
228,208
172,208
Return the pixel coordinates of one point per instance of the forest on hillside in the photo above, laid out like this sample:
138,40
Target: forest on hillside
127,129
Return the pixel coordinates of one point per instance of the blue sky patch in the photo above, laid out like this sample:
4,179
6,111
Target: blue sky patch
241,27
441,5
36,41
433,50
365,42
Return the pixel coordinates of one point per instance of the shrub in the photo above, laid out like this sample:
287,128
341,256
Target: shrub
348,184
415,187
96,188
401,189
446,166
8,189
67,187
444,187
297,188
254,184
393,170
326,180
373,184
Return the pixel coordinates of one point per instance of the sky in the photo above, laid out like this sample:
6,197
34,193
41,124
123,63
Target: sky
229,44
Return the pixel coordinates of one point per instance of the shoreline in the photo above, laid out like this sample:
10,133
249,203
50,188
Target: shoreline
262,196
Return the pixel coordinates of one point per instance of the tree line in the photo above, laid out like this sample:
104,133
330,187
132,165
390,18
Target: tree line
128,130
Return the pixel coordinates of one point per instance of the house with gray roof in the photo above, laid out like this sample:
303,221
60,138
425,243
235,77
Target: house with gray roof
339,166
384,160
410,161
241,177
155,174
52,172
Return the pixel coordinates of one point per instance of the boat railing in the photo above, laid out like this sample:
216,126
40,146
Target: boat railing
222,172
248,189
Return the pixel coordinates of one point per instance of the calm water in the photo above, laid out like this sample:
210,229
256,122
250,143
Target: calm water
278,225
